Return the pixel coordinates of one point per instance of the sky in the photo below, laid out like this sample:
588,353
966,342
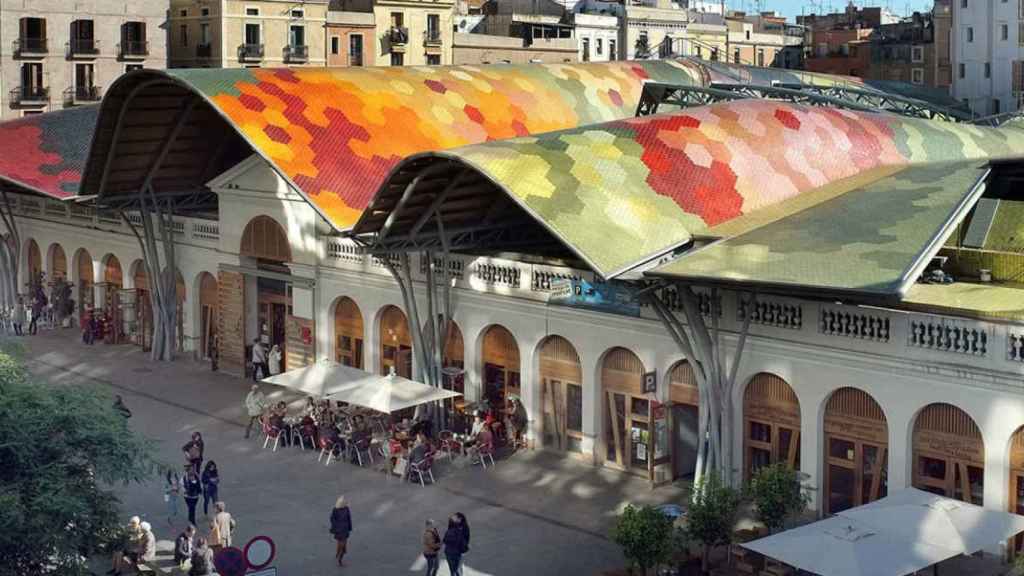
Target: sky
793,8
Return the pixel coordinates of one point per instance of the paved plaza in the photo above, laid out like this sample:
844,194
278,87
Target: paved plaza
534,513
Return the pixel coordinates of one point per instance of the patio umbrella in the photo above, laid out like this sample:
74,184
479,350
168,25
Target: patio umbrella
840,546
927,517
319,379
389,393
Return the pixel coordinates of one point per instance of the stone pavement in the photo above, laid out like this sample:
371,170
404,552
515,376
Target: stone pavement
534,513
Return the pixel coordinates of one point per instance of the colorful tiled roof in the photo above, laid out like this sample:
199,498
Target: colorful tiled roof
46,153
621,192
873,240
336,132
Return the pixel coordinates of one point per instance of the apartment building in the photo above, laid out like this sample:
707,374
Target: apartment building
764,40
57,53
351,33
652,29
413,32
247,33
988,49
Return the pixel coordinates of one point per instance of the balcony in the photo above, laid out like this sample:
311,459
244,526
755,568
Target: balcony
83,48
133,49
30,96
205,50
250,52
432,38
30,47
296,53
398,37
82,95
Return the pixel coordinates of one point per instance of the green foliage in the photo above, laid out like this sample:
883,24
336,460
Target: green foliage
712,513
776,494
61,447
646,536
1018,565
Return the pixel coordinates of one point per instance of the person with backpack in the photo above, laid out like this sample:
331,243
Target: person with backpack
202,559
193,490
431,547
456,543
193,450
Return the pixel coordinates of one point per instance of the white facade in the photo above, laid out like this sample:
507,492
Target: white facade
790,338
598,37
985,44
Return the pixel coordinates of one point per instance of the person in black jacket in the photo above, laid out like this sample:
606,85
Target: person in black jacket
341,527
183,546
193,450
455,545
211,484
193,490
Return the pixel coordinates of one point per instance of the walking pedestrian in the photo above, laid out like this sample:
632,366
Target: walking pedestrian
341,527
455,545
193,450
202,559
211,484
19,317
172,490
33,322
255,402
431,546
225,523
465,528
183,546
193,490
259,361
274,361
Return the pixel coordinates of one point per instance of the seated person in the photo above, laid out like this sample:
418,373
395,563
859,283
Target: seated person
484,438
132,548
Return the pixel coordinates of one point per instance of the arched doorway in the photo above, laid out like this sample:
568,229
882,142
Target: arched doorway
58,263
771,414
395,342
453,375
627,412
500,356
685,396
1016,488
141,307
83,267
179,309
34,266
348,333
561,393
265,242
949,453
207,314
113,284
856,450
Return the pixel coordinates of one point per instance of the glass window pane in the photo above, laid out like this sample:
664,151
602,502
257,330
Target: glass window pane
760,432
931,468
839,448
841,482
574,407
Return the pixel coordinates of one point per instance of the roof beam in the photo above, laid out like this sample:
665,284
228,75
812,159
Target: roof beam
406,195
436,203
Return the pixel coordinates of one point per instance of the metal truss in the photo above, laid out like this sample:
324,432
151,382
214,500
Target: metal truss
997,120
656,94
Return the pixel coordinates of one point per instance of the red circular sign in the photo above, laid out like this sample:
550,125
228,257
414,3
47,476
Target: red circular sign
259,552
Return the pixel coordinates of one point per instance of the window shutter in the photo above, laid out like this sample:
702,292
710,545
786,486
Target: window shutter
74,30
42,27
24,27
1017,76
125,36
142,32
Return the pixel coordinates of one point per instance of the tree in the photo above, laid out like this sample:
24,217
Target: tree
776,494
61,448
646,536
712,515
703,347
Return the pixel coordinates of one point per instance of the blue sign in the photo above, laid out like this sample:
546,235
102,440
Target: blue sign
612,297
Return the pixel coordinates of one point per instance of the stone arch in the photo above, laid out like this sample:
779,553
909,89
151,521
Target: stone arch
56,262
560,374
1015,489
206,306
948,453
684,400
84,280
500,360
265,239
771,423
349,332
855,450
395,342
33,259
624,405
113,274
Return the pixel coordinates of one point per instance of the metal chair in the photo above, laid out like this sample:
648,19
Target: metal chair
484,452
360,447
275,433
449,445
326,448
424,466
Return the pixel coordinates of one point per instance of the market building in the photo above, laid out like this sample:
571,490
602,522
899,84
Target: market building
854,373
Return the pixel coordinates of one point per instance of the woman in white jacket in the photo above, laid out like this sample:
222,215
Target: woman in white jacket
274,359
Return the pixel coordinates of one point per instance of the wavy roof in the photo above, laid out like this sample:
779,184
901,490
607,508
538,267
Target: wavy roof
336,132
621,193
46,153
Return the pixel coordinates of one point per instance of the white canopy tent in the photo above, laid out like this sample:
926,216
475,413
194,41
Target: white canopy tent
904,532
913,513
839,546
339,382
